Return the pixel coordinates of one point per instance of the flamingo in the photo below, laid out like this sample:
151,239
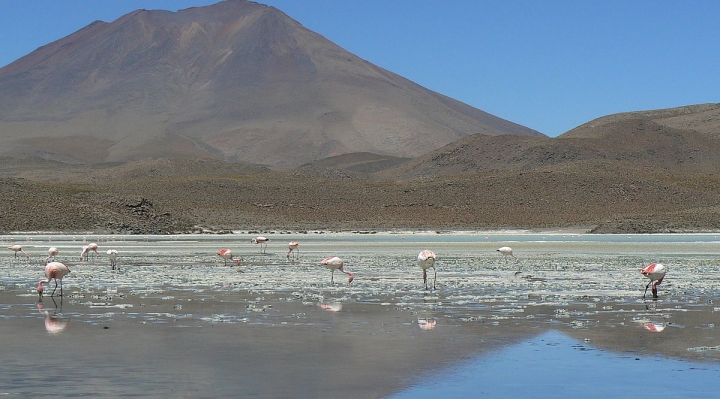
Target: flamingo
227,255
52,251
112,254
293,246
53,271
426,259
18,248
86,251
656,273
507,251
262,241
334,263
93,247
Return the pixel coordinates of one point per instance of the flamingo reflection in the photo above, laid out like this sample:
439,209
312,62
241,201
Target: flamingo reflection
654,327
427,324
331,306
54,323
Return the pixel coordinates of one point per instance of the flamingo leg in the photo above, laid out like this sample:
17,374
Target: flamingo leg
425,278
646,288
332,276
53,293
434,277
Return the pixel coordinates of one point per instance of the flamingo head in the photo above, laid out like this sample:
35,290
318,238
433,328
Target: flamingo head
351,278
238,261
40,291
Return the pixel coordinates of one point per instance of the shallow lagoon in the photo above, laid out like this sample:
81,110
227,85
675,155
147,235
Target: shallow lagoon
174,319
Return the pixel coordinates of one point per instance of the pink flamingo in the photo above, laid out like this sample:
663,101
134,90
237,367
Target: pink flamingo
507,251
334,263
426,259
262,241
86,251
53,271
112,255
18,248
293,246
656,273
93,247
52,251
227,255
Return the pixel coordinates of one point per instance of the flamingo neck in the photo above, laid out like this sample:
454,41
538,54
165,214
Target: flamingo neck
40,285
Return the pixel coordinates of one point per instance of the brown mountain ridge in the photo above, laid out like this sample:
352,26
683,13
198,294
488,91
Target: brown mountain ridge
236,81
630,175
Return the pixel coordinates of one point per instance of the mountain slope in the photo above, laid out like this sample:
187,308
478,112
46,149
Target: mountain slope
236,80
648,139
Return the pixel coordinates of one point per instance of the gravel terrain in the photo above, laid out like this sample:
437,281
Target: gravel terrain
181,196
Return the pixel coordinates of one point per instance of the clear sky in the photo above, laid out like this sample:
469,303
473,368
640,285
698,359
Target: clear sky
550,65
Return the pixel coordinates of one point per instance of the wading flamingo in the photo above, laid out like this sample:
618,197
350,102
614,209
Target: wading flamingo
18,248
262,241
53,271
656,273
86,251
227,255
426,259
293,246
334,263
93,247
52,251
112,255
507,251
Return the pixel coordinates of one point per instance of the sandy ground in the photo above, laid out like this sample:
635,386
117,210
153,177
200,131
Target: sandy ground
174,319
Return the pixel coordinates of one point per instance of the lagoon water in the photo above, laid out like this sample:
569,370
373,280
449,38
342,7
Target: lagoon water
567,320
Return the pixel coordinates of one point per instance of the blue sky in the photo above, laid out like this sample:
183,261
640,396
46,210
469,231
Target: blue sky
550,65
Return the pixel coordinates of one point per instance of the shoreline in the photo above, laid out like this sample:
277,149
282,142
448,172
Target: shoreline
571,231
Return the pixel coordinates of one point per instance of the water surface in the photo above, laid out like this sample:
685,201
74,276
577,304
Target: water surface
174,319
